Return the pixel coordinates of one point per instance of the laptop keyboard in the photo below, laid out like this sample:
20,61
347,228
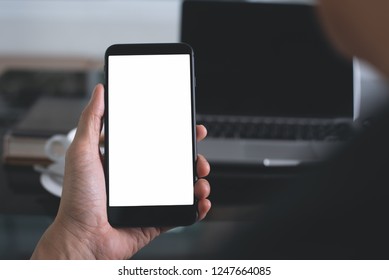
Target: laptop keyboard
285,130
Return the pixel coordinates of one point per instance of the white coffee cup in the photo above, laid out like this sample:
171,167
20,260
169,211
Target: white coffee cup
57,145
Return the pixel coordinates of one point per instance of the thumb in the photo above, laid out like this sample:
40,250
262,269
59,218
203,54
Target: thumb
89,125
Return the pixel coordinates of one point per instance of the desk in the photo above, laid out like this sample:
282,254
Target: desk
22,193
238,195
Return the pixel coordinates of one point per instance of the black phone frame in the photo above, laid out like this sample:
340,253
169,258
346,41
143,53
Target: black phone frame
145,216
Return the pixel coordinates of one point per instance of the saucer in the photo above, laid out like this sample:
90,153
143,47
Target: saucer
52,183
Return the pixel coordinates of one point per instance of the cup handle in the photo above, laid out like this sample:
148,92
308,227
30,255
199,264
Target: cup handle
55,148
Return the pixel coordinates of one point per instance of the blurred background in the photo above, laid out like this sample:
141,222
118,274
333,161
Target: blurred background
53,50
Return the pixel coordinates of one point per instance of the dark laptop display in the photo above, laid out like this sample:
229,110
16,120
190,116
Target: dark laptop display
265,59
270,88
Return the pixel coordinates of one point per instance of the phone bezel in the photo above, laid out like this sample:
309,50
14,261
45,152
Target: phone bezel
135,216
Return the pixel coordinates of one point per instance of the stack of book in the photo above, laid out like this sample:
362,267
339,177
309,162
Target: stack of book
24,143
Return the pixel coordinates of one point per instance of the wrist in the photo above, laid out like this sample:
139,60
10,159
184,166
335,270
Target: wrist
58,242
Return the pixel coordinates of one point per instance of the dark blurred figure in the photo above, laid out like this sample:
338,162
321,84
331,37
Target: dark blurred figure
341,209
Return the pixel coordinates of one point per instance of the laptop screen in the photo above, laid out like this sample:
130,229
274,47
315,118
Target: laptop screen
258,59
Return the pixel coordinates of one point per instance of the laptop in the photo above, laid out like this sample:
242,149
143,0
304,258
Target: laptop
270,88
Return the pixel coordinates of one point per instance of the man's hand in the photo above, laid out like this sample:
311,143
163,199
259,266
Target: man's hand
81,229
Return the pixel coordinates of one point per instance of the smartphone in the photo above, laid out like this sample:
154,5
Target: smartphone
150,135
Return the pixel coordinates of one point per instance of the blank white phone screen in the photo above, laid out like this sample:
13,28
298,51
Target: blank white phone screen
150,130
